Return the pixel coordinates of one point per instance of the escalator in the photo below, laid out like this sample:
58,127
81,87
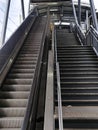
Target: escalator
79,83
16,88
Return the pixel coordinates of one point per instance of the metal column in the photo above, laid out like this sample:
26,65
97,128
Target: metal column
23,10
5,22
74,11
93,12
29,7
87,20
79,12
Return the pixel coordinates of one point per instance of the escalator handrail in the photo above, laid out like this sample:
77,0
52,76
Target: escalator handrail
31,105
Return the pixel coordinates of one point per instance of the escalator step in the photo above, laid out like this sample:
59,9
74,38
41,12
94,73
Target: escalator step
14,95
20,75
12,112
18,81
14,87
11,122
13,102
22,70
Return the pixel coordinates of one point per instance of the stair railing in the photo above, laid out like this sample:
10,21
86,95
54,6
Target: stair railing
58,85
92,38
78,30
79,33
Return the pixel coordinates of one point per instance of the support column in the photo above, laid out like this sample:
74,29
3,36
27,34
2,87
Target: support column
29,7
23,10
87,20
79,12
93,12
74,12
5,22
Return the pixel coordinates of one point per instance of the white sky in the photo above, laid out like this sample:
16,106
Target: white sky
95,2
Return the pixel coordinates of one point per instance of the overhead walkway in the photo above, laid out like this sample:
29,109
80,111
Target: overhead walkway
78,67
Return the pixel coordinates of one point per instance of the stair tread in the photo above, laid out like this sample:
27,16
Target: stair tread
77,129
74,112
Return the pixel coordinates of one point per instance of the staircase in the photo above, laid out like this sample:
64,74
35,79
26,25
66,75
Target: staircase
79,84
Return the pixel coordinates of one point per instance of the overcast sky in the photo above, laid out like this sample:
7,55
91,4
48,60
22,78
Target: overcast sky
96,4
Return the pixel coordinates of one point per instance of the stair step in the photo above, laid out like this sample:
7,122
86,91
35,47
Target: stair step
79,124
75,53
82,102
80,90
76,112
79,61
85,79
79,96
79,69
77,129
77,56
78,47
79,73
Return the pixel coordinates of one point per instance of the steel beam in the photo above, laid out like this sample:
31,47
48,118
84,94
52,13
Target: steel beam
79,12
93,12
5,22
23,9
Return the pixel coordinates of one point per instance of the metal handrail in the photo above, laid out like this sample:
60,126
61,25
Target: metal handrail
81,35
58,87
78,28
92,37
93,31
